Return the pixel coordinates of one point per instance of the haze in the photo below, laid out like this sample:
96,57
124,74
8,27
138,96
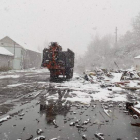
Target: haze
72,23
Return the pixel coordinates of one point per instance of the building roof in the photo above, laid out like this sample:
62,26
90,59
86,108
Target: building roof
21,44
4,51
137,57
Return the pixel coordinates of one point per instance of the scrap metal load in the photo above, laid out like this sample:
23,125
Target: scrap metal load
57,61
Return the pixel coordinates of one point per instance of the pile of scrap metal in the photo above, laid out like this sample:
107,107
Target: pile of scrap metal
130,75
98,73
126,79
88,76
134,110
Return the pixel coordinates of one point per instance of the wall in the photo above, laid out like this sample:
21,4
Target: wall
23,59
6,61
18,59
32,59
15,49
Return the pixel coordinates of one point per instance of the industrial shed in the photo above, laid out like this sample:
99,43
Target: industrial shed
24,56
6,59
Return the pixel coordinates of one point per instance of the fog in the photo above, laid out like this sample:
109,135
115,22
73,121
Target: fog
72,23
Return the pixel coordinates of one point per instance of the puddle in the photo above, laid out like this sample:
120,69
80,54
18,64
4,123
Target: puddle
111,127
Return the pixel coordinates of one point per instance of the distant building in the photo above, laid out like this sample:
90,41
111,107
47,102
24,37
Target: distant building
6,59
24,57
137,62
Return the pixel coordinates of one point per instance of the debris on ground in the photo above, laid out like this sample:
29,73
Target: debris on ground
98,101
84,137
99,136
39,131
40,138
5,119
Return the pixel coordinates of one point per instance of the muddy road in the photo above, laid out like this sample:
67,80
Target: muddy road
70,111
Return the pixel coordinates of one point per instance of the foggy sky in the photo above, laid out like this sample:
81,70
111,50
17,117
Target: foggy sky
72,23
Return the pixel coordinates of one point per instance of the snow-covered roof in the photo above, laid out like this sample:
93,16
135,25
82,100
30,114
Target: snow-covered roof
21,44
26,47
137,57
4,51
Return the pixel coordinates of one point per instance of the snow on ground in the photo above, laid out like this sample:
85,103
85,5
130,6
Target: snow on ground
9,76
54,97
133,84
117,89
29,72
32,70
84,91
117,77
16,85
78,96
41,82
80,85
119,98
35,94
4,119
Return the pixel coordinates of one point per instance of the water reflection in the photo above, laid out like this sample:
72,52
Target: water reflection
53,108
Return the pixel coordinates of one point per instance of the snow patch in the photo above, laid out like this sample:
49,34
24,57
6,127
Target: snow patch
16,85
5,119
78,96
117,77
84,91
137,106
9,76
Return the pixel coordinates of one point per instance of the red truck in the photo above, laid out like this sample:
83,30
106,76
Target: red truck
57,61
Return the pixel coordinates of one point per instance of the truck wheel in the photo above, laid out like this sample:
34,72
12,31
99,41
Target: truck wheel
51,74
69,73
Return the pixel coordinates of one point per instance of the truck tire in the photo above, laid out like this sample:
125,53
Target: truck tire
52,75
69,73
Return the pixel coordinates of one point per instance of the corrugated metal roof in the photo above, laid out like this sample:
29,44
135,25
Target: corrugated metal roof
4,51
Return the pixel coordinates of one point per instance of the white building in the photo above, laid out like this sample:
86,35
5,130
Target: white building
23,58
6,59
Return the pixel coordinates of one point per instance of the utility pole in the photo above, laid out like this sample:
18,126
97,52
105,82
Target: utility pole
116,35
